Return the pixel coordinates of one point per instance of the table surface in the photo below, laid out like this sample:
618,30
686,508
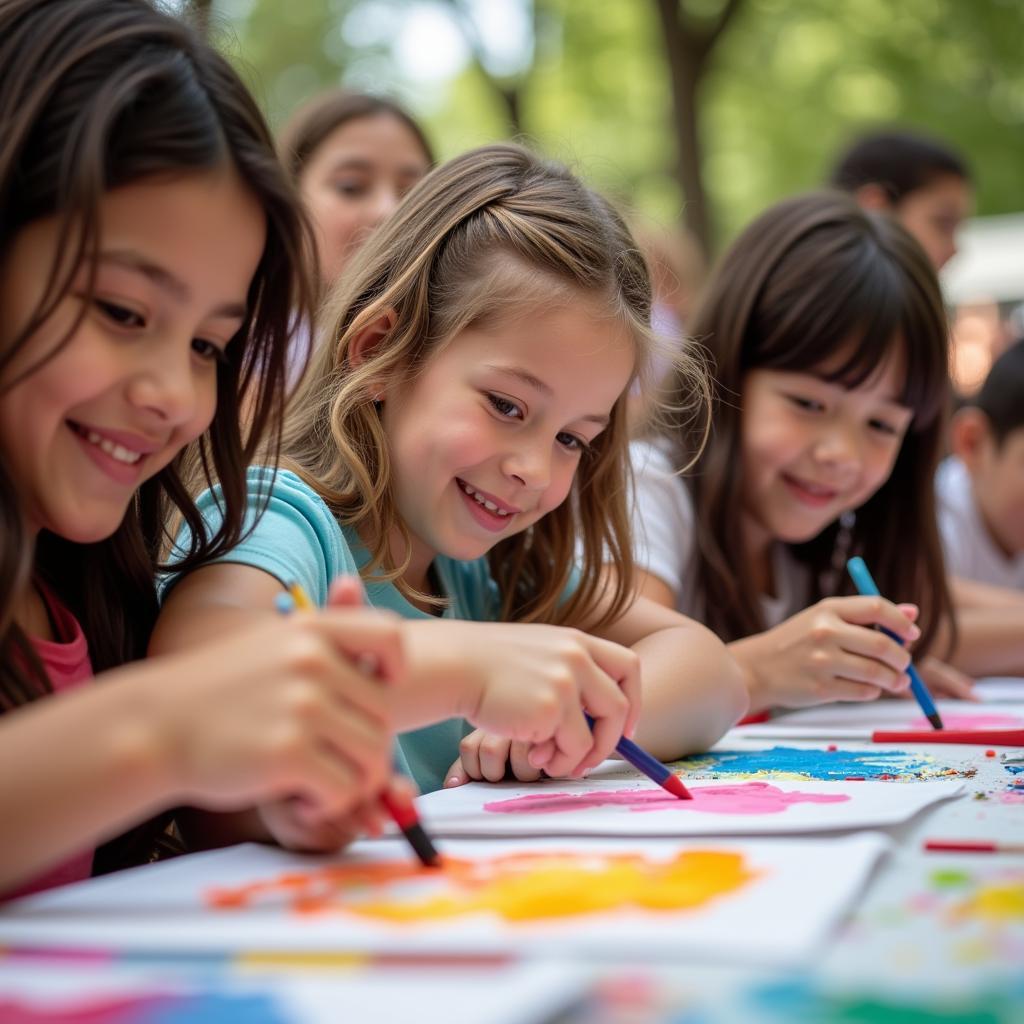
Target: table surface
934,936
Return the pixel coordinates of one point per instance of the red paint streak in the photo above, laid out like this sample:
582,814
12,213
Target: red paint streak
744,798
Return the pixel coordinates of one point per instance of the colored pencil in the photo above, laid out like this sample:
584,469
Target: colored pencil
865,584
402,812
971,846
649,765
979,737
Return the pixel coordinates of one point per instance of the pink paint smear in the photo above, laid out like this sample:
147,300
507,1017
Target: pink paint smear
968,722
744,798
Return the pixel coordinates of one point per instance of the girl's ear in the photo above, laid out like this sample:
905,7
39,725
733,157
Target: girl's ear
872,197
363,344
968,432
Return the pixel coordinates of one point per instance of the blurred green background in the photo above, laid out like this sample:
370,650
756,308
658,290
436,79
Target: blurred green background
768,89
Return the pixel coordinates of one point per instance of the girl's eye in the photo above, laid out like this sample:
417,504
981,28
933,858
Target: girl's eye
349,189
572,443
884,428
120,315
505,407
807,404
208,351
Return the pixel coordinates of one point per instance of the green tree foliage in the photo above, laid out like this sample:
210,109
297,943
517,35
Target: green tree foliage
788,84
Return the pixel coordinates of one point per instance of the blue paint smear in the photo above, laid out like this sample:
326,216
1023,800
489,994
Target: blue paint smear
812,764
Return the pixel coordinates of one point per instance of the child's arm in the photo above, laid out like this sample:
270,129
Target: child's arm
247,718
693,691
825,653
990,629
526,682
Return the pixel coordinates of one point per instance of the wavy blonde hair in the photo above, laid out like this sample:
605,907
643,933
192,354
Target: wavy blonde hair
482,239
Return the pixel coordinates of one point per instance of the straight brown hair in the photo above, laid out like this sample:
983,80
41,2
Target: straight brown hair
817,281
94,95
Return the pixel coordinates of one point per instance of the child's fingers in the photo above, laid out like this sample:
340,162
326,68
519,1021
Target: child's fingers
519,761
844,690
874,611
456,775
346,592
910,610
494,754
357,633
622,666
858,668
469,754
573,741
539,754
873,645
946,680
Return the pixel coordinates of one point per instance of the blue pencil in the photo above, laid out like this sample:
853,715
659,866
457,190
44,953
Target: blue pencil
650,766
865,584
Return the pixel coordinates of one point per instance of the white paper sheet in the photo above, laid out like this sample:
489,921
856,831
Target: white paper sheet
521,993
884,714
639,808
1001,689
792,893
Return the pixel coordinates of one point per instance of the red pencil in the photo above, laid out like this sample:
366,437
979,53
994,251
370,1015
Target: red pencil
971,846
979,737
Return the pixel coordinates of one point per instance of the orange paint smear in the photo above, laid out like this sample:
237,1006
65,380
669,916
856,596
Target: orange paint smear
516,887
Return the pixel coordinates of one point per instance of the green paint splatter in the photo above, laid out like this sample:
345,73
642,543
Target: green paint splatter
950,878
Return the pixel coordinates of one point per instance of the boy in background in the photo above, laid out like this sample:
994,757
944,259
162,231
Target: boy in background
980,487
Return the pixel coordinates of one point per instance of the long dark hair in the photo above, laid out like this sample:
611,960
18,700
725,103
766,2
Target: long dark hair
804,279
96,94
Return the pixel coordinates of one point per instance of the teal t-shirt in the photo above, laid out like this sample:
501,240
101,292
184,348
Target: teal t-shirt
298,540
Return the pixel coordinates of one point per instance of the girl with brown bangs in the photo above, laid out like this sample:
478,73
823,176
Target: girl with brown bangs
827,339
461,442
150,261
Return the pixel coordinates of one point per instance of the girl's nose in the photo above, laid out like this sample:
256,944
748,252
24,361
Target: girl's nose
530,466
167,386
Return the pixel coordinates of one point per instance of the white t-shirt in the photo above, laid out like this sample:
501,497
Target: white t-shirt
664,540
969,548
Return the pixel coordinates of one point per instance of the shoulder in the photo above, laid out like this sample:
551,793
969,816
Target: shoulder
658,487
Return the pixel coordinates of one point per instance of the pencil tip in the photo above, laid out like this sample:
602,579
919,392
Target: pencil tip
936,720
676,788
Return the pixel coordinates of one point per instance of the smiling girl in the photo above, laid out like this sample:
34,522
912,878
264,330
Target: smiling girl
149,266
462,444
827,338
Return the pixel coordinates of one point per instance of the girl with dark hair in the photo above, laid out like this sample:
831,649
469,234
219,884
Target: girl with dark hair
827,337
150,265
352,157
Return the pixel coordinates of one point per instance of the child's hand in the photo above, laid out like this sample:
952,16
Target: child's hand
945,681
483,755
295,824
532,684
828,652
280,710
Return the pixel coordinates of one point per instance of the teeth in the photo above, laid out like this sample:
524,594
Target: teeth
115,451
481,500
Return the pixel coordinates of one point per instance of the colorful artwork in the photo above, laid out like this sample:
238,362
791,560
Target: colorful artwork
877,764
635,807
744,798
975,721
145,1009
552,896
516,887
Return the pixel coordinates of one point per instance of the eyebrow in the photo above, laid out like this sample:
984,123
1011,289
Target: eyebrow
167,281
537,384
358,163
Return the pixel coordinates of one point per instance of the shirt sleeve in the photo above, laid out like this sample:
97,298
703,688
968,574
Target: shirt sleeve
662,518
295,539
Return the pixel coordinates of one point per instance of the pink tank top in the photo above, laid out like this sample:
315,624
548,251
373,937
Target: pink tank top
67,664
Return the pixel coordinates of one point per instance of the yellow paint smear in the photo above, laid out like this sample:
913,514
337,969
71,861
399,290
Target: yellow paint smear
516,887
995,902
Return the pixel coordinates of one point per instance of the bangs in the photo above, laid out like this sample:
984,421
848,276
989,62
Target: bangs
854,313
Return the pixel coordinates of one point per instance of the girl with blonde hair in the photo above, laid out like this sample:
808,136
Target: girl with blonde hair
461,442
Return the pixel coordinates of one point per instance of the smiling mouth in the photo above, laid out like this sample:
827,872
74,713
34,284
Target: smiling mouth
501,510
814,493
116,451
